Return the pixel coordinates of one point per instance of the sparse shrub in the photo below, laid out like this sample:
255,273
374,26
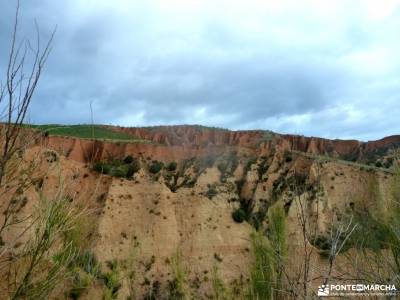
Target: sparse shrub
80,282
118,168
222,167
219,289
287,156
102,167
257,218
239,215
87,262
178,284
211,192
172,166
262,168
155,167
38,183
111,281
132,169
128,159
120,171
154,291
234,163
249,163
189,182
51,156
239,185
217,257
323,243
387,163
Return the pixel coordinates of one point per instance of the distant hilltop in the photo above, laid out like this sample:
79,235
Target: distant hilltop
189,140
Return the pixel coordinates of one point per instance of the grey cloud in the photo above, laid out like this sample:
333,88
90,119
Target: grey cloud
289,72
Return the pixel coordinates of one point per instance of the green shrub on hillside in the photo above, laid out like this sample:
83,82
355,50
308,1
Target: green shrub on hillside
246,212
251,161
155,166
102,167
239,215
119,168
119,172
287,156
172,166
212,191
133,168
128,159
112,281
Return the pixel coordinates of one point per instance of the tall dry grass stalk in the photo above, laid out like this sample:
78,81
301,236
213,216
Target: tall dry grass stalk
178,286
43,263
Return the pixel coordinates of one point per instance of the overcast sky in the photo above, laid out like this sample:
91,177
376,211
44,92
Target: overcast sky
322,68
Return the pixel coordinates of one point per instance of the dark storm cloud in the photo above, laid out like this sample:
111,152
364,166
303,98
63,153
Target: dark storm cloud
292,67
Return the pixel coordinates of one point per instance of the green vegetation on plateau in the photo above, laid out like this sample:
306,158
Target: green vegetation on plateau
86,132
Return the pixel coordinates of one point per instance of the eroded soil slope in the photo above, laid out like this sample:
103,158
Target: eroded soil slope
187,184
